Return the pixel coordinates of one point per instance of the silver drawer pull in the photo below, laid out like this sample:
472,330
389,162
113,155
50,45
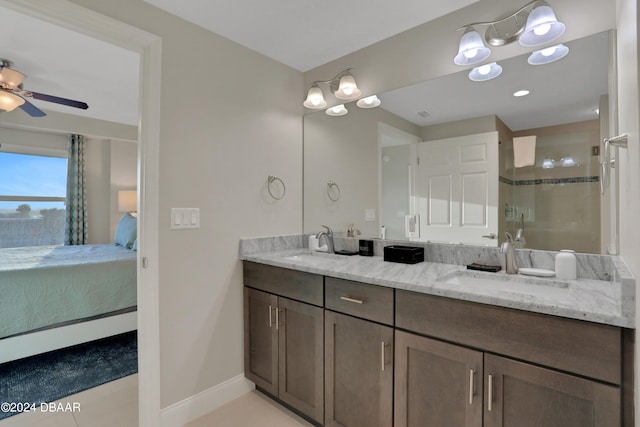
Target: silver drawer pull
471,385
270,321
490,392
354,300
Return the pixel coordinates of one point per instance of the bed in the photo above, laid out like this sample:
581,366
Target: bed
55,296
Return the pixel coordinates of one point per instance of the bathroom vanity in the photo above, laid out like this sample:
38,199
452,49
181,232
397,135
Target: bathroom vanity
357,341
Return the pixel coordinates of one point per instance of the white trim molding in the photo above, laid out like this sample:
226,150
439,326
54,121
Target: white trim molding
196,406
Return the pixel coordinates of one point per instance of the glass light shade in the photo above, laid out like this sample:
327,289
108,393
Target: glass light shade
369,102
568,162
472,49
485,72
548,55
10,77
542,27
548,164
348,88
10,101
127,201
315,99
338,110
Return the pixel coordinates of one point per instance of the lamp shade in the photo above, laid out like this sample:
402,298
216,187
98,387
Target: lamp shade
347,88
542,27
338,110
369,102
315,99
485,72
10,101
127,201
472,49
548,55
10,77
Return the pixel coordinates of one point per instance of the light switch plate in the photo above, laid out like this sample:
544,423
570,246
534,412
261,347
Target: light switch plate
185,218
369,214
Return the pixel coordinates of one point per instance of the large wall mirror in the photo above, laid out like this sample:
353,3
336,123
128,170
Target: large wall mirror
374,167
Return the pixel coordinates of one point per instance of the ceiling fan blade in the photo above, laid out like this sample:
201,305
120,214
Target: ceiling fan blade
32,110
58,100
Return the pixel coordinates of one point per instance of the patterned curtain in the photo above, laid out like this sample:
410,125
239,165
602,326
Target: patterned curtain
76,231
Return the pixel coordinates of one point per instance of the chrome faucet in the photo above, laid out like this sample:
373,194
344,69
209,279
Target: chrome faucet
509,255
329,236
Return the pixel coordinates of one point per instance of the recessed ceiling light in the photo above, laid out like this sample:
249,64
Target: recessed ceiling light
523,92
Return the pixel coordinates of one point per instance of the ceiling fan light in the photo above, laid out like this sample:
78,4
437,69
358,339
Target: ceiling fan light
485,72
369,102
548,55
11,78
10,101
347,88
471,49
541,28
338,110
315,99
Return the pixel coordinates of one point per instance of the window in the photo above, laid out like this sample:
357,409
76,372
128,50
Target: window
32,199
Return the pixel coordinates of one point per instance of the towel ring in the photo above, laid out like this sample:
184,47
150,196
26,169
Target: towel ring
330,185
270,181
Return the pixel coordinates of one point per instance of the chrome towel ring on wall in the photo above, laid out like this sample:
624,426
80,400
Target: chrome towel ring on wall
333,191
270,182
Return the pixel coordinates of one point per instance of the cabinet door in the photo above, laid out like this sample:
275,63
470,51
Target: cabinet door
301,357
358,372
261,340
436,383
523,395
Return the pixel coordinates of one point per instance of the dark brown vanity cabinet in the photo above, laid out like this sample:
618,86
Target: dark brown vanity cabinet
284,338
463,383
358,372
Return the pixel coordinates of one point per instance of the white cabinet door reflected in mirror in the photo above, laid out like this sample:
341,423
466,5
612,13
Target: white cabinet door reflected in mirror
456,189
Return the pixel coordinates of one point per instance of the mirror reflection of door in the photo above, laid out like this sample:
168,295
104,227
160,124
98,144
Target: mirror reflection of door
456,189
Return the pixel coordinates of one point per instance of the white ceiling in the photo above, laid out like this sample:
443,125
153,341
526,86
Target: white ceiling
70,65
303,34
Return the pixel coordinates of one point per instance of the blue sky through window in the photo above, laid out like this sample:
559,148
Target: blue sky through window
29,175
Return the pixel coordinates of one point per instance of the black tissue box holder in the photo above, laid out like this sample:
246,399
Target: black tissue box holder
403,254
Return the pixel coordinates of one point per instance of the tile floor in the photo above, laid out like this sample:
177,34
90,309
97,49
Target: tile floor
116,404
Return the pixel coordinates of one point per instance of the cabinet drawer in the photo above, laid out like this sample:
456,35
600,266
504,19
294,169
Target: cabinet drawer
584,348
359,299
297,285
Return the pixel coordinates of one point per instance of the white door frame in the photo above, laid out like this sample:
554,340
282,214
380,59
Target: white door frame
82,20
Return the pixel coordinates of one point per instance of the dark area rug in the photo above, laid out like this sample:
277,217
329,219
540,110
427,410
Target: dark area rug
51,376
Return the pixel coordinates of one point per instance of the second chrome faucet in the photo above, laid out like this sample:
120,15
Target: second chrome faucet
509,252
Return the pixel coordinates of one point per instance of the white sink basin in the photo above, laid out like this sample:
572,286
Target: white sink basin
472,278
309,256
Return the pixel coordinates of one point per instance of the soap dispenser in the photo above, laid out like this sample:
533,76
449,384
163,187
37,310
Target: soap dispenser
566,265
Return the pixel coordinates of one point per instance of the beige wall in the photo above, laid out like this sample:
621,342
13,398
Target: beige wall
229,119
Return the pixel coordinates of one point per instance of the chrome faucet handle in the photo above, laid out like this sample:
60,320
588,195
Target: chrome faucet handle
329,230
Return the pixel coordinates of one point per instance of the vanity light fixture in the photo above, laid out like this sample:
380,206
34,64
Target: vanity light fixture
338,110
471,49
548,55
369,102
343,86
535,24
548,163
485,72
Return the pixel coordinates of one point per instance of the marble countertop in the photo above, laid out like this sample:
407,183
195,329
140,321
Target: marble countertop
599,301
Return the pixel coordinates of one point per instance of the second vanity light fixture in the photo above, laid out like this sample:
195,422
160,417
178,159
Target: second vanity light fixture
344,87
535,24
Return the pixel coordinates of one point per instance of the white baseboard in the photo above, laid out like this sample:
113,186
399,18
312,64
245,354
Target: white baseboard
194,407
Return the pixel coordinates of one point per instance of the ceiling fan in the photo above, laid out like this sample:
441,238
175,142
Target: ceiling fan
12,94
